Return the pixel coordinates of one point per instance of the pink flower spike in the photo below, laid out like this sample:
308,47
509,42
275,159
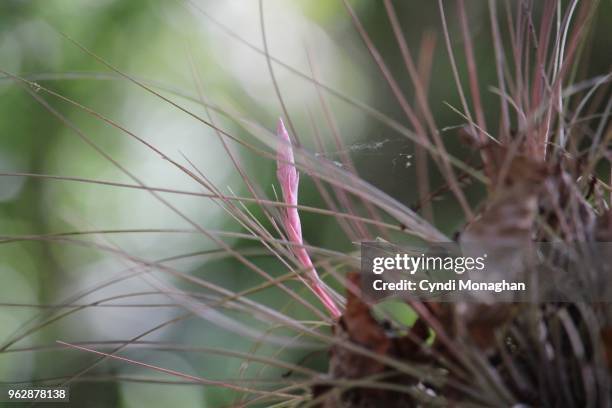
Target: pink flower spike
289,180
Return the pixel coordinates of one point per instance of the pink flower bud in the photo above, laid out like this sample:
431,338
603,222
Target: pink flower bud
289,180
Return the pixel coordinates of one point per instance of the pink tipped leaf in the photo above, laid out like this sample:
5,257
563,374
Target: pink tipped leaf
289,179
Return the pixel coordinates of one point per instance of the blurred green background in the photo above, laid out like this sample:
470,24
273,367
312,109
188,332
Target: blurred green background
179,47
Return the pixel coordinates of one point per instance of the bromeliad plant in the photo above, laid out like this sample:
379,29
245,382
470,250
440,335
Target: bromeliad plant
544,168
540,169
